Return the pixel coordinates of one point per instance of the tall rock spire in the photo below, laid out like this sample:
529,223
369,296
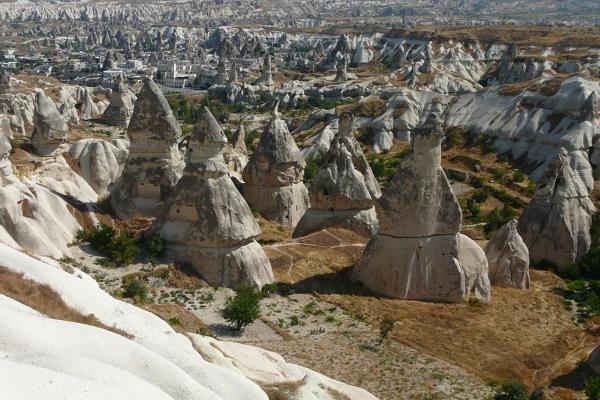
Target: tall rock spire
154,164
120,108
273,176
206,221
419,253
340,195
49,127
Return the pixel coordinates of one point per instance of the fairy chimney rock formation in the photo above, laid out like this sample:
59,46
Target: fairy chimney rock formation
221,72
266,74
273,176
556,223
508,258
206,222
49,127
419,253
120,108
346,136
5,148
340,195
342,69
154,164
236,154
5,80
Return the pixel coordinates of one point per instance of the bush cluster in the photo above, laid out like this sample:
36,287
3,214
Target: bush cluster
511,390
120,249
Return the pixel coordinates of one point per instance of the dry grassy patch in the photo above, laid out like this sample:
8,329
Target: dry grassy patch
272,232
527,335
45,300
180,318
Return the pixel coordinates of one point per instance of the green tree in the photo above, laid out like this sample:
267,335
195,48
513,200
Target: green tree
242,309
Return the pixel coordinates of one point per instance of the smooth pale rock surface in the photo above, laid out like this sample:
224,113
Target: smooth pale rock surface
69,359
154,164
207,222
555,225
236,154
34,219
508,258
273,176
87,108
100,163
360,162
49,127
5,147
418,253
474,263
420,201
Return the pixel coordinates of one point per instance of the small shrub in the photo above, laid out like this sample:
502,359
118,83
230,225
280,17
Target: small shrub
385,328
474,303
452,139
473,207
269,289
476,182
518,176
244,308
372,107
251,139
174,321
156,246
377,167
313,165
498,173
135,289
511,390
480,196
294,320
357,316
531,188
312,309
592,388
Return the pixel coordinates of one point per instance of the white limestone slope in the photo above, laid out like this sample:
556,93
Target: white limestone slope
530,125
44,358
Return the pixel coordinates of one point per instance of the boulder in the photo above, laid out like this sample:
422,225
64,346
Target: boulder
154,164
508,258
206,221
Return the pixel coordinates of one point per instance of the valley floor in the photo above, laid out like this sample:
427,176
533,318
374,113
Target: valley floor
320,319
